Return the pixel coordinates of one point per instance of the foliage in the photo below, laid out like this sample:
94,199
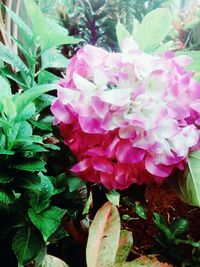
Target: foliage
30,214
105,247
171,236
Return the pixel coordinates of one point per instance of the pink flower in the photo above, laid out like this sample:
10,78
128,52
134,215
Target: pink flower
128,117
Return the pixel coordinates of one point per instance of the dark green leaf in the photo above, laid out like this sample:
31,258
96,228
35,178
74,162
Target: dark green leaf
31,165
26,245
43,102
179,227
6,197
40,193
47,221
5,177
140,211
74,183
162,225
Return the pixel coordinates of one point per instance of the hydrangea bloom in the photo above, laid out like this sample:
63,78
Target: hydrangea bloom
128,117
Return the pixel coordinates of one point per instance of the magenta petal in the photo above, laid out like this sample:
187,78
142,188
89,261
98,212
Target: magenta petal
81,166
157,170
102,165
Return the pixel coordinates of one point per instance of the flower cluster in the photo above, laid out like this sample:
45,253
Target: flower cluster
128,117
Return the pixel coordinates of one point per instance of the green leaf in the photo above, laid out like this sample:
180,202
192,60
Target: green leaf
122,33
4,88
188,185
20,132
46,32
140,211
23,28
6,152
47,221
24,99
47,77
103,238
41,125
6,197
5,177
9,57
8,107
153,29
26,114
43,102
88,204
31,165
114,197
179,227
74,183
52,58
40,193
26,245
125,245
162,225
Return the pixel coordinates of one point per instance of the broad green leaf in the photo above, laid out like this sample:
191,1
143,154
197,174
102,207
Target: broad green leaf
46,32
125,245
122,33
8,107
6,152
187,185
31,165
51,261
45,77
143,261
26,245
40,125
43,102
52,58
33,148
47,221
4,88
20,132
74,183
26,114
179,226
9,57
24,99
6,197
153,29
26,32
114,197
40,193
103,238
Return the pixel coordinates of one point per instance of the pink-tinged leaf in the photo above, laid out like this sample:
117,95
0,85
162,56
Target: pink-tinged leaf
50,261
144,261
125,245
103,237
